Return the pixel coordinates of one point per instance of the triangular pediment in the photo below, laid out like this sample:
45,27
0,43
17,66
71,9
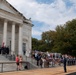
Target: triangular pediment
4,5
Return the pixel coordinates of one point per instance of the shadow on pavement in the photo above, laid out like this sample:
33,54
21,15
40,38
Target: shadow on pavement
74,73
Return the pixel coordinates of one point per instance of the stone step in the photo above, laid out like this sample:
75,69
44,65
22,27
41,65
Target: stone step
3,58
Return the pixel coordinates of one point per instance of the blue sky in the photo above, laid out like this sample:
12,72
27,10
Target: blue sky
45,1
46,14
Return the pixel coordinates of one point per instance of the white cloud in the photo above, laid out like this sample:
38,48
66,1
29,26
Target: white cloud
50,14
36,32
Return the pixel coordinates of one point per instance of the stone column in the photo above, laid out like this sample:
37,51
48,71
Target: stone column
13,39
5,33
20,41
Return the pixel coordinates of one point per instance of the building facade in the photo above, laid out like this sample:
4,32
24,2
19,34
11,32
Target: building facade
15,29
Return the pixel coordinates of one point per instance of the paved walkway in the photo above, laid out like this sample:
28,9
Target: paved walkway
45,71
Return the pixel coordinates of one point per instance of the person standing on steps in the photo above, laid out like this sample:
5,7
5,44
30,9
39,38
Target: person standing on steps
17,62
20,62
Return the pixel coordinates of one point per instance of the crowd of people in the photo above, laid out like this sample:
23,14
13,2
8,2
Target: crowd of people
4,50
44,59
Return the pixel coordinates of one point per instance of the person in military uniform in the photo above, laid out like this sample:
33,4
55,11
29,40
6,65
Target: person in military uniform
64,63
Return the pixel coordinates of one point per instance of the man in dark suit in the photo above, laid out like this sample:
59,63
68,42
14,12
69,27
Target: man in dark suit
64,63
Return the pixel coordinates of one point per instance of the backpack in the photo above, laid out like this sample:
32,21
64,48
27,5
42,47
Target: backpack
25,67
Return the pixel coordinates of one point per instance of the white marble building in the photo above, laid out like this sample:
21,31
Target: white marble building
15,29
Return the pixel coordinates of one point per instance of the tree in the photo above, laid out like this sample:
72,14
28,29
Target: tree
62,40
35,44
65,41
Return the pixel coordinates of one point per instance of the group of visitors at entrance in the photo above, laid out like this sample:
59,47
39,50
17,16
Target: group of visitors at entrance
19,60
